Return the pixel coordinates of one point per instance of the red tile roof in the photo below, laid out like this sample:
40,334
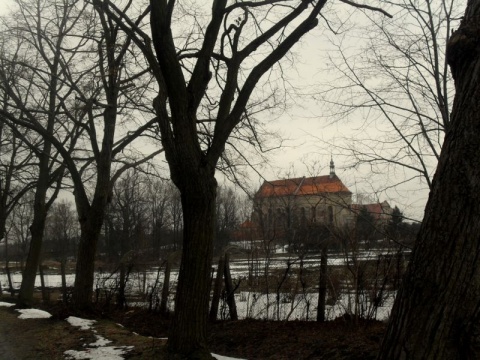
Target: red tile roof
377,210
302,186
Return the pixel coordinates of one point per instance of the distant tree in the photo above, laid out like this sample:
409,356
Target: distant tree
176,214
159,202
126,219
436,312
20,222
103,85
61,234
396,222
16,173
365,226
397,81
226,217
32,82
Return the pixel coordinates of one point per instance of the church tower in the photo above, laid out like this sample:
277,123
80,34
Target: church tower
332,168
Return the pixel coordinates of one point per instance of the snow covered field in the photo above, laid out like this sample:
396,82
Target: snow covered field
250,304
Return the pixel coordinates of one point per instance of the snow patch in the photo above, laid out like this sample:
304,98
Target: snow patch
83,324
99,353
98,349
220,357
101,341
33,314
5,304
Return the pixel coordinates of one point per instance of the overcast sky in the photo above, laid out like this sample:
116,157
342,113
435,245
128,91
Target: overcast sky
307,132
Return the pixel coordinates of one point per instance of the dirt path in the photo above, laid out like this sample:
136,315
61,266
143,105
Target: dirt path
13,344
48,339
25,339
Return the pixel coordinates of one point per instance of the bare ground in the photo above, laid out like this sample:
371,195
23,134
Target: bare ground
247,339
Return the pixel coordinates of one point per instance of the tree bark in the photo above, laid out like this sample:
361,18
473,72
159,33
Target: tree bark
25,296
84,272
188,333
436,313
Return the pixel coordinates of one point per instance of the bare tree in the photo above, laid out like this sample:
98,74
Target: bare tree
436,313
127,210
101,87
20,222
206,78
159,202
17,159
398,87
227,217
34,84
16,175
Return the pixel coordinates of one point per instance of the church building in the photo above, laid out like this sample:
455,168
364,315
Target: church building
294,202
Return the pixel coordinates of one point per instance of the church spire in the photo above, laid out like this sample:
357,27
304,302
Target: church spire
332,167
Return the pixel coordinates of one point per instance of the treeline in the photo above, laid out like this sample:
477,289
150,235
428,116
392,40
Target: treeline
143,218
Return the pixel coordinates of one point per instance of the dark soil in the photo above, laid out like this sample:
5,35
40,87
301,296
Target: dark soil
246,339
255,339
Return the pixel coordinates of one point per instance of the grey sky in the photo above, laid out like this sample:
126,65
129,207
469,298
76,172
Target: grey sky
308,132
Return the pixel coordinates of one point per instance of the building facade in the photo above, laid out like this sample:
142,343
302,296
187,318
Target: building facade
290,203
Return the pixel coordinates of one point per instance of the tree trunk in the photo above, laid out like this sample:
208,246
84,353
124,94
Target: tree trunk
188,333
165,289
436,313
322,288
87,247
121,299
217,290
232,307
45,298
64,280
9,278
7,268
25,296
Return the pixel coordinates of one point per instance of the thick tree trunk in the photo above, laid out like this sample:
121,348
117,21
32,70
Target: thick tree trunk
437,311
217,289
85,269
188,334
25,296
